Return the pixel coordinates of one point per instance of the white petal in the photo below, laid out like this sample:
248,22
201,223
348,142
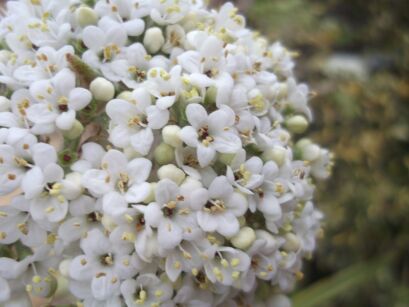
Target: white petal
157,118
166,190
103,288
138,192
169,234
120,111
40,114
114,204
44,154
205,154
65,120
93,38
96,182
142,141
196,115
237,204
165,102
190,61
227,142
79,98
189,135
206,221
134,27
139,170
269,205
220,188
33,183
228,225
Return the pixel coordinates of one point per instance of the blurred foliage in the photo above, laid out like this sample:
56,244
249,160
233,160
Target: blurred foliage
365,121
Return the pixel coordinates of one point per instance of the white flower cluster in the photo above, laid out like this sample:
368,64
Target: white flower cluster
149,148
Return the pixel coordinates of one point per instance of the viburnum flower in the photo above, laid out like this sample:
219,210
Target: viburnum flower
151,154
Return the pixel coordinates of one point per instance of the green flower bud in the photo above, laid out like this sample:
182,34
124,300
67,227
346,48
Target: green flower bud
225,158
153,39
85,16
164,154
125,95
171,172
171,135
311,152
276,154
75,132
102,89
292,243
297,124
211,94
244,238
151,197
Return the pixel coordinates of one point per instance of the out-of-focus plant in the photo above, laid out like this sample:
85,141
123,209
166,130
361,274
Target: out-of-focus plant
364,117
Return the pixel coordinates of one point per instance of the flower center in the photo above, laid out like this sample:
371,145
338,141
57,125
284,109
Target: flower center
110,51
123,182
215,206
204,136
107,259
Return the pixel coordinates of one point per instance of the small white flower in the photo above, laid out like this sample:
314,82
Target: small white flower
210,133
222,209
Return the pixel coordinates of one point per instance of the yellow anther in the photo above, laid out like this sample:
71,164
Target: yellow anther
129,218
49,210
195,272
125,262
61,198
3,214
224,263
36,279
235,262
23,228
29,288
158,293
83,261
3,235
127,236
263,274
177,265
51,238
235,275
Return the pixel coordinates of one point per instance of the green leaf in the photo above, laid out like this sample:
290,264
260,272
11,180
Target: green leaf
325,290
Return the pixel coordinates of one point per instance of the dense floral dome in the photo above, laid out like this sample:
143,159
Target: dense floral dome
153,154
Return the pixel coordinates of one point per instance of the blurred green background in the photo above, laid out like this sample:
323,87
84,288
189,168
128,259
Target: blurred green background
355,55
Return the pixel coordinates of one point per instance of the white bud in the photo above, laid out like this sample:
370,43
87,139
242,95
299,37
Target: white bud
86,16
75,132
151,196
191,184
269,239
108,222
64,267
5,55
4,104
164,154
102,89
171,172
171,135
302,143
276,154
226,158
125,95
153,39
71,186
297,124
292,243
311,152
244,238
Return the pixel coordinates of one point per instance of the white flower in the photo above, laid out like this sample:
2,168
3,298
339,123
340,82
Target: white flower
147,290
171,213
58,101
104,263
222,209
210,133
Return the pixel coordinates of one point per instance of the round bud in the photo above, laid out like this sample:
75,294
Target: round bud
311,152
164,154
171,135
5,104
75,132
171,172
125,95
151,196
108,222
297,124
276,154
102,89
292,243
71,186
64,267
226,158
153,40
85,16
244,238
211,94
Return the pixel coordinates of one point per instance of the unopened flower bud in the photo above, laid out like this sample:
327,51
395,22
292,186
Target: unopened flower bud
164,154
102,89
292,243
75,132
191,184
297,124
151,196
311,152
64,267
226,158
4,104
108,222
211,95
85,16
171,172
125,95
71,186
244,238
171,135
153,39
276,154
